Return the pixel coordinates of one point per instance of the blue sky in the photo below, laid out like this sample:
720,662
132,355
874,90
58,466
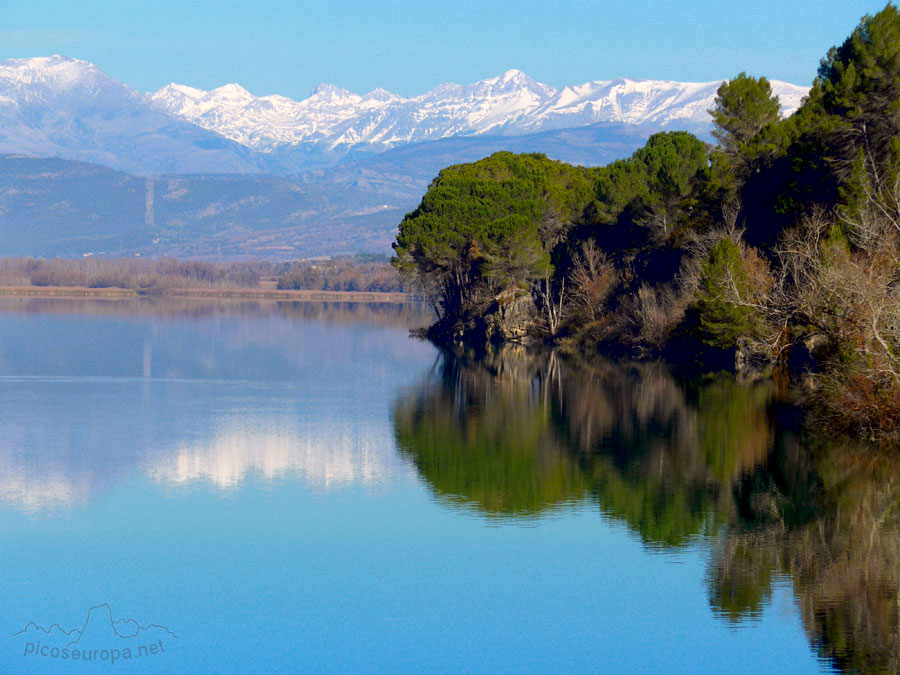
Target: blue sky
288,47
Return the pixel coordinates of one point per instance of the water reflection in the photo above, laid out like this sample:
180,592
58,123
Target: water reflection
483,435
517,432
33,491
70,453
410,314
324,457
719,464
207,393
829,518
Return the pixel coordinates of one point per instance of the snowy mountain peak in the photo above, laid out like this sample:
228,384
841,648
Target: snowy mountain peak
380,94
57,106
512,81
54,90
514,77
57,73
325,90
511,103
56,62
232,91
184,90
520,79
61,83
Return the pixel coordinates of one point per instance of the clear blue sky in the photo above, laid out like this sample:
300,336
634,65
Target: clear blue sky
288,47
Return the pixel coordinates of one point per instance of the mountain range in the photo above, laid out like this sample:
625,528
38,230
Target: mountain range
339,169
511,104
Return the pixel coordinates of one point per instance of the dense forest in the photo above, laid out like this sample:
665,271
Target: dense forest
775,252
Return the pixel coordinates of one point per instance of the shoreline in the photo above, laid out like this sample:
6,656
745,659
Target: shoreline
206,293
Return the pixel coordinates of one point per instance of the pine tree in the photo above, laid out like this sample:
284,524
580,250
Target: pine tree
744,106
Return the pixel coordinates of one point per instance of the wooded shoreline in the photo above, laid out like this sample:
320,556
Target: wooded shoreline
773,254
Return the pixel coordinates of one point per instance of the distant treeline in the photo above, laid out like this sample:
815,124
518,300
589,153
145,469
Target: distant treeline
777,250
358,273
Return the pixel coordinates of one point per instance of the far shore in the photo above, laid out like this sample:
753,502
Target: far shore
223,293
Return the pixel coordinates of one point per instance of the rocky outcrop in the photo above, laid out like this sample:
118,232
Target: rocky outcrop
512,318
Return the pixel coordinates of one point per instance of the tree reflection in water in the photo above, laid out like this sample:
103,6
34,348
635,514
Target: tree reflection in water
515,434
483,435
826,517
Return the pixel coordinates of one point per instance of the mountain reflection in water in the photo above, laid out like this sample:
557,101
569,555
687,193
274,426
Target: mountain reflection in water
211,392
320,455
517,435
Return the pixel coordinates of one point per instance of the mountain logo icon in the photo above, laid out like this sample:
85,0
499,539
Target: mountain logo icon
101,637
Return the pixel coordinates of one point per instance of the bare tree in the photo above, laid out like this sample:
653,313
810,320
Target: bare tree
593,278
551,301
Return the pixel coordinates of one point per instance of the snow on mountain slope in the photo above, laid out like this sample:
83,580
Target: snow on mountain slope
62,107
57,106
512,103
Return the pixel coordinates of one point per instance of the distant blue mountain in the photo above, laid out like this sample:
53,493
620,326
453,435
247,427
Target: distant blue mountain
92,167
53,207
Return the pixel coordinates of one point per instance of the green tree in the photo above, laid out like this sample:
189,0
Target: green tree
489,225
723,276
860,80
674,164
657,187
743,107
852,115
487,442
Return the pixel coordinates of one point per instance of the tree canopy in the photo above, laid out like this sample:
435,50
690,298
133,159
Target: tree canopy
490,223
744,106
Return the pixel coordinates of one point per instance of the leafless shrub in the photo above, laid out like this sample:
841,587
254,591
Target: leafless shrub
339,274
850,297
57,273
647,317
593,279
552,302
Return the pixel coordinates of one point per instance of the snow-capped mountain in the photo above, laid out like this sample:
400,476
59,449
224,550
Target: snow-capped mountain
57,106
342,167
62,107
511,104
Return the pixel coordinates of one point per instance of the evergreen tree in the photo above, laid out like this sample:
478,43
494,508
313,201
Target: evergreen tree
657,187
722,321
674,165
744,106
490,225
855,100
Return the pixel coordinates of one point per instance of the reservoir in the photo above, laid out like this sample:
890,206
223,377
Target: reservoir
279,487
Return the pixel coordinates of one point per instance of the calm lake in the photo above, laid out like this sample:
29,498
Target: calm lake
275,487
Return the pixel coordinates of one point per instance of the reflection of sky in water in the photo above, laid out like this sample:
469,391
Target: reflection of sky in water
88,401
234,476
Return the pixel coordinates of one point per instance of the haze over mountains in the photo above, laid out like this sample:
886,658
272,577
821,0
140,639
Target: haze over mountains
347,165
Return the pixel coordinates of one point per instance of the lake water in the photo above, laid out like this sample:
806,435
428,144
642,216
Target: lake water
273,487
